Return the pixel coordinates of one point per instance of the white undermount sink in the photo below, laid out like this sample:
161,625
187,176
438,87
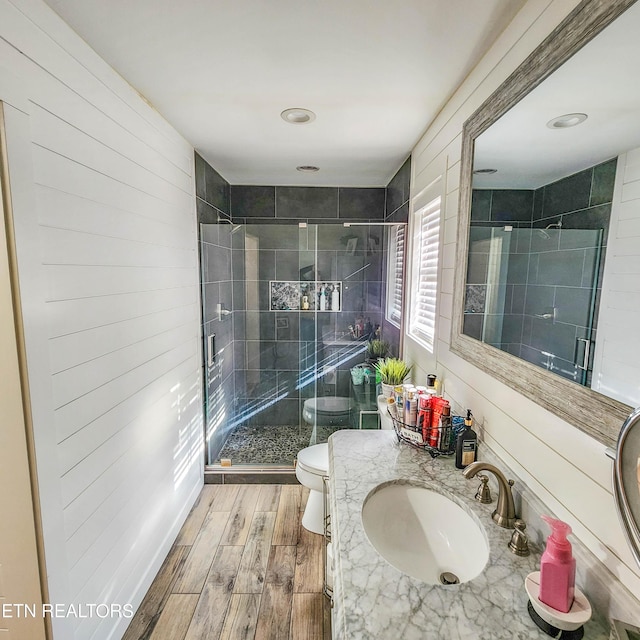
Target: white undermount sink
424,533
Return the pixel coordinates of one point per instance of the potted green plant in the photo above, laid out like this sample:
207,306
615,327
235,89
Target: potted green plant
393,372
377,349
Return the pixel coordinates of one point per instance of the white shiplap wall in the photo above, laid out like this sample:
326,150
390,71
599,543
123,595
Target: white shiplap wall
616,367
110,292
563,467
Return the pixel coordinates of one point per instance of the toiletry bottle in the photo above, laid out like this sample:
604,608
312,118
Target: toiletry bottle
466,444
392,407
424,415
437,406
426,426
557,568
411,407
398,395
323,299
335,298
413,410
444,432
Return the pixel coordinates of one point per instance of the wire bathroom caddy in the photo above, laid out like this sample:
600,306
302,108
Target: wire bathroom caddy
437,441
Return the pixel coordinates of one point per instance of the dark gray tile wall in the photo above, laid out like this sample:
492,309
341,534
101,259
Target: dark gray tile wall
502,206
397,194
252,203
361,204
211,187
314,205
551,271
306,202
580,201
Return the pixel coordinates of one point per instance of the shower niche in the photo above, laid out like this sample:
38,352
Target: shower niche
305,296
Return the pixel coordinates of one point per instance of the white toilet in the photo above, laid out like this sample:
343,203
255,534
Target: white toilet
313,463
331,411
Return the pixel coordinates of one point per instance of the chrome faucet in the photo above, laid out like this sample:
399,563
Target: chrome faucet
505,513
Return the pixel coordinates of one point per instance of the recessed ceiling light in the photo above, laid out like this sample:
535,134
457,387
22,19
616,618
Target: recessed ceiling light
484,172
308,168
298,116
567,120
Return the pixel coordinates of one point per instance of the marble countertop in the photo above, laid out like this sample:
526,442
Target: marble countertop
372,599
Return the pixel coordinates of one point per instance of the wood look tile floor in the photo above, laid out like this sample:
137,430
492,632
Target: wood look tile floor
242,567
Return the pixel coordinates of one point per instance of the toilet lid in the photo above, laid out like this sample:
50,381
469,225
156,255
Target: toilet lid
329,404
315,458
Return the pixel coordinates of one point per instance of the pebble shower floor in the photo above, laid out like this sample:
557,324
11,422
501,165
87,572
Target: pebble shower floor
271,445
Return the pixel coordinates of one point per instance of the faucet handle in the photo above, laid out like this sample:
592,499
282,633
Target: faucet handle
519,543
483,494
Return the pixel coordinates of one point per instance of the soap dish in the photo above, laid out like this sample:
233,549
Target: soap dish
579,613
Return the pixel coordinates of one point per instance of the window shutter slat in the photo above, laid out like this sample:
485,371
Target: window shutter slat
395,274
426,245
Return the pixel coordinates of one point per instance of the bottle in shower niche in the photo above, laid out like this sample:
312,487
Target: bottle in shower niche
335,298
466,444
304,299
323,299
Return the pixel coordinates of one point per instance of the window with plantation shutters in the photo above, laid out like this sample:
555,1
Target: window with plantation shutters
426,241
395,277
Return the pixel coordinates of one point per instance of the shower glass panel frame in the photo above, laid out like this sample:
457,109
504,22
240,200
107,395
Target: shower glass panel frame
287,310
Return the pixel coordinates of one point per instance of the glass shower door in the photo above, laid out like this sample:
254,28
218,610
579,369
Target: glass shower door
287,312
217,333
251,299
350,260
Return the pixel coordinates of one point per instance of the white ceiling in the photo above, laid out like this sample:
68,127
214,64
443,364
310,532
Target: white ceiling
601,81
221,71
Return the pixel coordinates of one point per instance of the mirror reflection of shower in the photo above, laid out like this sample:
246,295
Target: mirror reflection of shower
543,232
532,293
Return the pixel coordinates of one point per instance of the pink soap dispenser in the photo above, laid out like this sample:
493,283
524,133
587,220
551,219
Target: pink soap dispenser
557,568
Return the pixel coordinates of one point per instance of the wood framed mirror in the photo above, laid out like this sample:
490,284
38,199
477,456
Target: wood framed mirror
595,413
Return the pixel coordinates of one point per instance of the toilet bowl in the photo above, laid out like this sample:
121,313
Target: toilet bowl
313,464
328,411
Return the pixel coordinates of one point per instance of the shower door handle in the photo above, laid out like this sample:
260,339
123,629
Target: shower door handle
211,349
585,357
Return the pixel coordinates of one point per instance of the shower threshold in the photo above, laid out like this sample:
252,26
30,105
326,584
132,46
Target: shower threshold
249,474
